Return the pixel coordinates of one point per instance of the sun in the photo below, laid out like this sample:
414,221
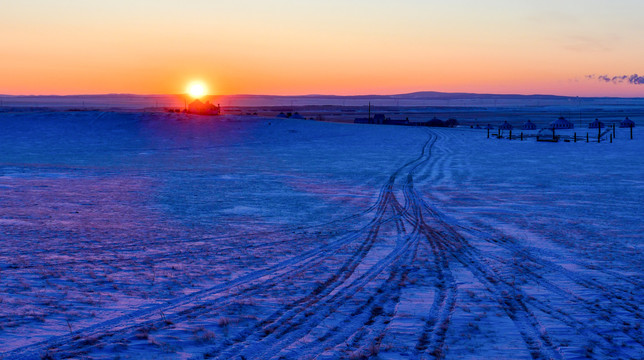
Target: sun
197,89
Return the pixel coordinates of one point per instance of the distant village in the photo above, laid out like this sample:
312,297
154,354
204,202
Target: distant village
503,130
549,133
560,123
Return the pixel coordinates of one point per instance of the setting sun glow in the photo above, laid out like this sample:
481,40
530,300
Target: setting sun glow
321,47
197,89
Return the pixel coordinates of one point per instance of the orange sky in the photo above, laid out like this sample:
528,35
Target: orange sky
331,47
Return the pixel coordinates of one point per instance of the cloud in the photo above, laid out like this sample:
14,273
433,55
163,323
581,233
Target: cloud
631,79
634,79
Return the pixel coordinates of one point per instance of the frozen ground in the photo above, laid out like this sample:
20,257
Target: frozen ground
165,236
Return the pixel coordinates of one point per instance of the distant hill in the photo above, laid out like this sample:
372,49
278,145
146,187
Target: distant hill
432,95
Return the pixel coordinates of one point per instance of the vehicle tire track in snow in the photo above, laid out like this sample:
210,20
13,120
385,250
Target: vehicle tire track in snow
534,335
494,281
184,305
191,301
281,319
372,332
364,329
545,265
450,243
433,336
367,336
538,342
351,309
344,293
414,217
536,268
611,323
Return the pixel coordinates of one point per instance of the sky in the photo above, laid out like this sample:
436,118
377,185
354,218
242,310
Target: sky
282,47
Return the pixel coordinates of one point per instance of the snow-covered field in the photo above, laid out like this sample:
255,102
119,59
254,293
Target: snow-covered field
168,236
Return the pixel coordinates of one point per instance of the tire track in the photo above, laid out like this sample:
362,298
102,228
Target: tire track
140,317
191,303
535,274
446,240
345,293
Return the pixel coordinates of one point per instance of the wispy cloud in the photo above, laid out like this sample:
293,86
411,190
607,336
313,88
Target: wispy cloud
631,79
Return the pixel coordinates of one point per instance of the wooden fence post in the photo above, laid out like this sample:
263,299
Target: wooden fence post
575,137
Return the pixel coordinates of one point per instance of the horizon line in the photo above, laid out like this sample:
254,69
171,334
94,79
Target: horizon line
332,95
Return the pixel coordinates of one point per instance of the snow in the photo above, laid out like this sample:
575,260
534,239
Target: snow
158,235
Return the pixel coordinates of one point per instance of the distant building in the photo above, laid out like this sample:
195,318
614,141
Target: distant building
561,123
505,126
378,119
201,108
418,123
596,124
435,122
396,122
529,125
451,122
282,115
627,123
297,116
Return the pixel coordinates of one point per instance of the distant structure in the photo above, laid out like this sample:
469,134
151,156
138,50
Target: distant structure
435,122
378,119
478,126
382,119
505,126
451,122
418,123
627,123
396,121
282,115
297,116
201,108
596,124
561,123
529,125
